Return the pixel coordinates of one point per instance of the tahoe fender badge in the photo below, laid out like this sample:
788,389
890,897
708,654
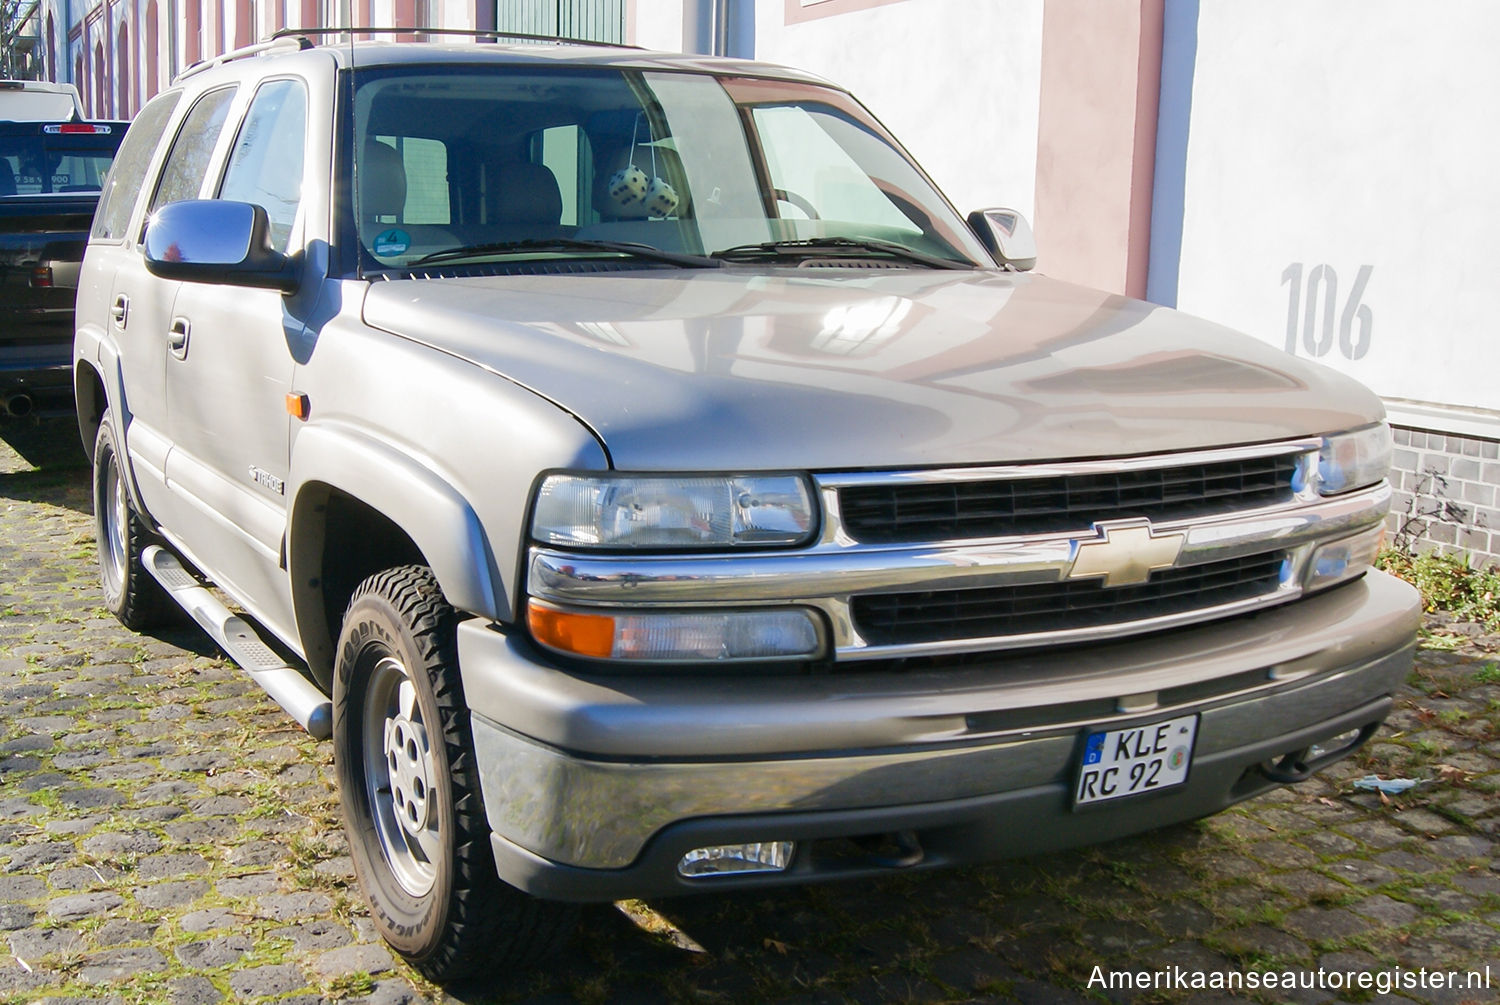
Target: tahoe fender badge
267,480
1125,554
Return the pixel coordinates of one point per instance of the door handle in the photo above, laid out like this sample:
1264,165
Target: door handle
177,337
119,311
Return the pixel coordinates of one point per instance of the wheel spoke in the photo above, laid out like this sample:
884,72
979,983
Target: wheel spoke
428,843
407,697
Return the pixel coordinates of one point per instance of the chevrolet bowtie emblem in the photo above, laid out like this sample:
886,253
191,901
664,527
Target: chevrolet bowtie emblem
1125,555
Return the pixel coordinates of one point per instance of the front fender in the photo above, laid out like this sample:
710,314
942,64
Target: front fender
437,518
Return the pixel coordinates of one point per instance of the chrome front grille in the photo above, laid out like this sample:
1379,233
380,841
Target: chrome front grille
1003,507
938,563
913,618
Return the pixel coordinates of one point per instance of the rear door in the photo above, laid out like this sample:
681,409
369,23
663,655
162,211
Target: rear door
103,323
140,304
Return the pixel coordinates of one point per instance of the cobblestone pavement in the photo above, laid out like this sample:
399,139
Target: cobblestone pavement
167,835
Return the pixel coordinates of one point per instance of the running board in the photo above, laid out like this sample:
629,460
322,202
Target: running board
291,690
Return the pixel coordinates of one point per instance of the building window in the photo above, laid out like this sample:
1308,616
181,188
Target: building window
152,34
100,79
595,20
122,74
193,14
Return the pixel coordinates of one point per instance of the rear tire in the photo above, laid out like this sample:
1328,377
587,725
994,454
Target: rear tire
409,789
131,593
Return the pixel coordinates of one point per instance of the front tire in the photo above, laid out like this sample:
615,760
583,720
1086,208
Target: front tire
130,592
409,788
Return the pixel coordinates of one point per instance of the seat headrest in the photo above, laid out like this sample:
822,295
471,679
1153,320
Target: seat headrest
382,181
525,193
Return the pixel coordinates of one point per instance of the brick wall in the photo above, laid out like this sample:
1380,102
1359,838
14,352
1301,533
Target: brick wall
1447,493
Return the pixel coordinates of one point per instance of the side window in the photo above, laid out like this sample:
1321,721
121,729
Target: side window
806,158
129,170
187,162
265,167
564,150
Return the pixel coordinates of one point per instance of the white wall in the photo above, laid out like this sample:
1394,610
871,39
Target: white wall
658,24
1351,139
957,81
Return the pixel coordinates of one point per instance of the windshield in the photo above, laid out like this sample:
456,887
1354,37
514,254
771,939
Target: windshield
461,164
36,165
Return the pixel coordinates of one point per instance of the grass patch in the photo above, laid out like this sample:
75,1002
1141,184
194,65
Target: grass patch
1449,583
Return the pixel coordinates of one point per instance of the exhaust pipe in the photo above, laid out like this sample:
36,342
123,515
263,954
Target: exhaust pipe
18,405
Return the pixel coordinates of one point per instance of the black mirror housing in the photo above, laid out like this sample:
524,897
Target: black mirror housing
217,241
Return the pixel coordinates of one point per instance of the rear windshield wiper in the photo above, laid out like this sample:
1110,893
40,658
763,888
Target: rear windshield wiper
837,245
546,244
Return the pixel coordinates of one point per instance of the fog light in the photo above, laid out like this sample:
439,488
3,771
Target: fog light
1332,745
1340,560
737,859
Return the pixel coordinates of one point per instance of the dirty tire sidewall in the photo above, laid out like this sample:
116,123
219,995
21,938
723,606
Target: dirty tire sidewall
467,917
372,629
131,593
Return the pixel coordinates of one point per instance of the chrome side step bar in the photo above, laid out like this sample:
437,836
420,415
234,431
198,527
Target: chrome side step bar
291,690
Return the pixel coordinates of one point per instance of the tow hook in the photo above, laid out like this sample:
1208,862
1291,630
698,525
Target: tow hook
1299,765
900,850
1288,769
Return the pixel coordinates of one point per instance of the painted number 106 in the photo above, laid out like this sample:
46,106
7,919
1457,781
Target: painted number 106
1311,307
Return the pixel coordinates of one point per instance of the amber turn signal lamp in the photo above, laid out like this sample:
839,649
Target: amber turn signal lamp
297,405
584,634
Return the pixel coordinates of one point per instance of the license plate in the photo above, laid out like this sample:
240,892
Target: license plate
1136,760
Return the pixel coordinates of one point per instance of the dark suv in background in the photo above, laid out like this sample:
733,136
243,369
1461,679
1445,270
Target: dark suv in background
50,174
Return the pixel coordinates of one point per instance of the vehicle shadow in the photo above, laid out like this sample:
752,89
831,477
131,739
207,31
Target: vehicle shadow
42,462
1023,929
43,443
67,487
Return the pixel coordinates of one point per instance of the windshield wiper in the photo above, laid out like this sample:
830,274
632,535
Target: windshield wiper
545,244
818,245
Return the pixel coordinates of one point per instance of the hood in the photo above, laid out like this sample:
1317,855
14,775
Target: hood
732,369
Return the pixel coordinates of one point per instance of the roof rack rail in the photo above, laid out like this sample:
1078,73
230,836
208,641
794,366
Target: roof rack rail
280,40
304,33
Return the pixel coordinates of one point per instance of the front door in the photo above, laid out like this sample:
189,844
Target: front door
229,370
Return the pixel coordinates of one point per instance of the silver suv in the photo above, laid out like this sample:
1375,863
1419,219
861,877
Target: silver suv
655,486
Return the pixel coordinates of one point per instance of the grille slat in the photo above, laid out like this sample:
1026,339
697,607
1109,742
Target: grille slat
997,612
931,511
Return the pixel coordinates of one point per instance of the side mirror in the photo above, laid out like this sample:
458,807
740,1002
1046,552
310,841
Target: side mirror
1007,235
215,241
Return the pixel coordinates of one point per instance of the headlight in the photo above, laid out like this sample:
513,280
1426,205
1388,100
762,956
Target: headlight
648,511
1353,460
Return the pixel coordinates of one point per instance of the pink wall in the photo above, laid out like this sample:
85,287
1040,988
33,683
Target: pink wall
1096,140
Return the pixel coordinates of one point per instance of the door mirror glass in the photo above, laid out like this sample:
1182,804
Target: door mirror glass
1007,235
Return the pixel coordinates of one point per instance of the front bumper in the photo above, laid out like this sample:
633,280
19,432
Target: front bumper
595,787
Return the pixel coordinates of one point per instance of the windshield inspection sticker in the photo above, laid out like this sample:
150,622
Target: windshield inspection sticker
392,242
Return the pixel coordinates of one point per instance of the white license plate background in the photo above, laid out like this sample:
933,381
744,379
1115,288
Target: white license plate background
1135,760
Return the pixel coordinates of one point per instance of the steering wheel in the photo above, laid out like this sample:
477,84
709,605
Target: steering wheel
793,199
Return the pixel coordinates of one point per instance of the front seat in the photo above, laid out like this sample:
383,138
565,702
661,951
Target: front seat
525,202
382,209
